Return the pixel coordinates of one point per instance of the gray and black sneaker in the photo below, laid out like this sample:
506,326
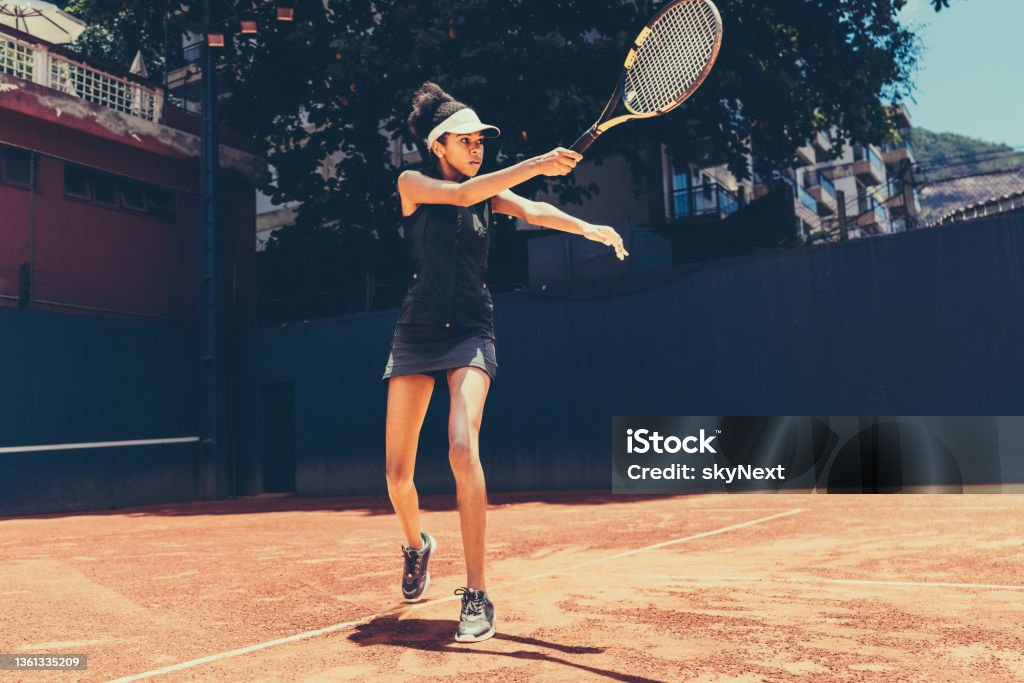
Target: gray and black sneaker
476,621
416,576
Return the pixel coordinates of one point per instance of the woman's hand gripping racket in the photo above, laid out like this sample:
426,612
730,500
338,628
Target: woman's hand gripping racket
668,61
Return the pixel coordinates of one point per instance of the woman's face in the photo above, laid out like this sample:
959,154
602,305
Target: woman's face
464,152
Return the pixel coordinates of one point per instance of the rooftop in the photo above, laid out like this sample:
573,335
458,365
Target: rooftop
946,197
49,82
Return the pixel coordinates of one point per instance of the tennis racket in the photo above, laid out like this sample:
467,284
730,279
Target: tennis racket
668,61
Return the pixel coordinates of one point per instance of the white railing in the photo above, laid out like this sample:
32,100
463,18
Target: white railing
16,58
36,63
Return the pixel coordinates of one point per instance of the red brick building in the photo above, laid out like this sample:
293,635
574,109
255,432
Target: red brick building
99,192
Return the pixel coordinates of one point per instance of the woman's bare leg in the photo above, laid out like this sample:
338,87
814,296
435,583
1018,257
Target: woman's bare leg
408,398
468,388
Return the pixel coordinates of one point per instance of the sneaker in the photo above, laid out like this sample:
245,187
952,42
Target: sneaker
476,621
416,577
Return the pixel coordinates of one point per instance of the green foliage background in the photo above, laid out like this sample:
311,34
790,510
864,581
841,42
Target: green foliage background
540,69
942,156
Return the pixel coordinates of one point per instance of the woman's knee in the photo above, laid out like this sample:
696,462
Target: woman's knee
463,453
399,472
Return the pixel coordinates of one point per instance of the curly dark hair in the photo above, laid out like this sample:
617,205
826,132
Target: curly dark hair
430,106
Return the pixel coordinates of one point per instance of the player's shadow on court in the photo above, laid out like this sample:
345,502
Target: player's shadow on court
436,635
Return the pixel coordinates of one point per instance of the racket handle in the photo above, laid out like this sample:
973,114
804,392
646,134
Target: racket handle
585,140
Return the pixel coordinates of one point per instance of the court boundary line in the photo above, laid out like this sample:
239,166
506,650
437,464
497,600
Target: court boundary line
818,579
96,444
430,603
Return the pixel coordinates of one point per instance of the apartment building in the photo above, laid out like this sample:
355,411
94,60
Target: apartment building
874,182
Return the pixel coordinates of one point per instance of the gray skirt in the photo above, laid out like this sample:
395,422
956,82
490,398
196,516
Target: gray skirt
418,349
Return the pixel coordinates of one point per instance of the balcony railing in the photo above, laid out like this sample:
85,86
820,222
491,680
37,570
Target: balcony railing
868,153
822,141
704,199
39,63
821,189
881,217
818,179
16,58
895,152
806,199
873,215
868,166
876,161
827,185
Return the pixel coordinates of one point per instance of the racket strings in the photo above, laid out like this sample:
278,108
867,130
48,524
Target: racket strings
671,62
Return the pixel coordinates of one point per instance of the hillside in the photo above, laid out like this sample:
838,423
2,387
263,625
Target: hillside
941,156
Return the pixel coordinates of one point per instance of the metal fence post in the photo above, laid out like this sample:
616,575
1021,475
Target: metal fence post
844,234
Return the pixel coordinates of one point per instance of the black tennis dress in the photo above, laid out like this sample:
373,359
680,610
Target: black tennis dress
447,317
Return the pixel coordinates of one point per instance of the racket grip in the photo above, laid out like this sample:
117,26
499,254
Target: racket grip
585,140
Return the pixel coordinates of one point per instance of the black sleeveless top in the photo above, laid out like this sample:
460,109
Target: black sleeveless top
448,248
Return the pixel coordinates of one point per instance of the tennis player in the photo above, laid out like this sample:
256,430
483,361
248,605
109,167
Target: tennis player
445,327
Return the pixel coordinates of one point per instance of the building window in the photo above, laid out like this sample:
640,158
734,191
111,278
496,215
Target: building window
76,182
161,202
133,196
681,194
104,189
119,192
15,166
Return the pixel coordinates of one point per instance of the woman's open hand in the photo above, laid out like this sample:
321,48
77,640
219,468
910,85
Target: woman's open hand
605,234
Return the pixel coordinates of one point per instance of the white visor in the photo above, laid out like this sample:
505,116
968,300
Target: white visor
462,121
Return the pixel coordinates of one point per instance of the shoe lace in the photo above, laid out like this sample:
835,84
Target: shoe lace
412,561
472,602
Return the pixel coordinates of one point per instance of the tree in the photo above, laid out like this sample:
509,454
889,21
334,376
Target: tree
941,156
117,30
541,70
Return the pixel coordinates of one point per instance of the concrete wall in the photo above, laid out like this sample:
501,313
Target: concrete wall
71,379
921,323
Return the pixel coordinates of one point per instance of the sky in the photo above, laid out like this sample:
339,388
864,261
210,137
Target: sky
970,77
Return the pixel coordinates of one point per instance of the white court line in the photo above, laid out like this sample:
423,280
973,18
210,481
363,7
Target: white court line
431,603
244,650
95,444
684,539
816,579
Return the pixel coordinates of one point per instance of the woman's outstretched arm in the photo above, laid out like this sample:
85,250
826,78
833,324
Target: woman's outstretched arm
417,188
548,216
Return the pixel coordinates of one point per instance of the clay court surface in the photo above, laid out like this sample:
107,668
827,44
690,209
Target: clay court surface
595,587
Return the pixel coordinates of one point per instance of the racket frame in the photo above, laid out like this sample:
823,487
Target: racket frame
606,120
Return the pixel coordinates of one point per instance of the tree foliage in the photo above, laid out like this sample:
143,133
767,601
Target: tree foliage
941,156
940,5
541,70
117,30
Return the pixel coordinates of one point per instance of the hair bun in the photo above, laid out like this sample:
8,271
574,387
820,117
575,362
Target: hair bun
430,106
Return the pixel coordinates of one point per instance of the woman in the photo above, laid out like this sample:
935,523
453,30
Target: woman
446,327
